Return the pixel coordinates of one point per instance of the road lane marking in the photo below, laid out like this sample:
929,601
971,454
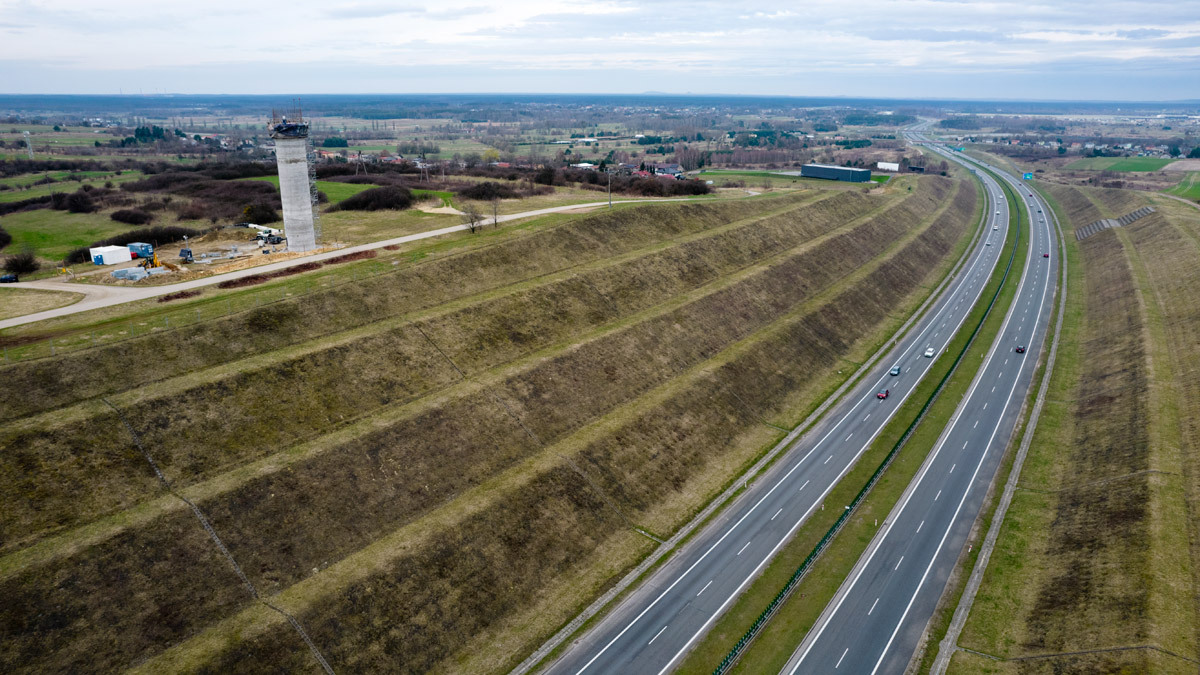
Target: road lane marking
656,636
703,628
939,494
840,660
849,437
965,444
705,587
777,514
920,526
743,548
827,460
976,424
803,486
952,467
872,606
867,417
898,563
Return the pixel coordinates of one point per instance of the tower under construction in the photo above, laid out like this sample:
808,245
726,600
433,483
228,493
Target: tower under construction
295,185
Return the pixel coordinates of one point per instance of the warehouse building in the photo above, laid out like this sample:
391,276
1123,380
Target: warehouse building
835,173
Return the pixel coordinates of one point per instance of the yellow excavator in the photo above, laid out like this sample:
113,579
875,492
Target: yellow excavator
153,261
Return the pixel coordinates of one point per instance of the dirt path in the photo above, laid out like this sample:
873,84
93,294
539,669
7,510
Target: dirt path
98,296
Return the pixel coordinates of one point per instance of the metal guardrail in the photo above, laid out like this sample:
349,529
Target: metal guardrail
738,649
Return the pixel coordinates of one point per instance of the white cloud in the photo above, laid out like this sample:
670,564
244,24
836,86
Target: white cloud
697,40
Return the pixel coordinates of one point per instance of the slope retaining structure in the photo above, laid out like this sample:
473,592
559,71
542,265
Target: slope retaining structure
1106,223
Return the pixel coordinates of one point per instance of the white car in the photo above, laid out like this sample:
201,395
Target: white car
997,213
929,353
995,227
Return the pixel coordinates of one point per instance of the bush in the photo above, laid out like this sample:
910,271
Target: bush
260,213
132,216
335,142
5,238
375,199
24,262
180,295
80,202
488,191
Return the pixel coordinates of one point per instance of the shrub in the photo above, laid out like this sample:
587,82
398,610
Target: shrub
132,216
260,213
27,204
375,199
80,202
24,262
488,191
178,295
5,238
360,255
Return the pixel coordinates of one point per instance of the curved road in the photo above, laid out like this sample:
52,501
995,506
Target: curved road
97,296
876,620
659,621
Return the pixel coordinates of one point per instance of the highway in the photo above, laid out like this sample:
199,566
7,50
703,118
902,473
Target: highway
877,618
664,616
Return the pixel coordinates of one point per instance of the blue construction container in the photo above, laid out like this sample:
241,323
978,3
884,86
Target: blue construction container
829,172
141,250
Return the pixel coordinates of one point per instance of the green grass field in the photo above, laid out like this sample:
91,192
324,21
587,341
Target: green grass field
53,234
23,188
334,190
1119,164
1188,188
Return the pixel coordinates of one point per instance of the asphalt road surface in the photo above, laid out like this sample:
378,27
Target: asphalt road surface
97,296
659,621
878,616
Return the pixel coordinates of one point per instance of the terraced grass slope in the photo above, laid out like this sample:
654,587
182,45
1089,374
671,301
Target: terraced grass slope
1095,569
434,469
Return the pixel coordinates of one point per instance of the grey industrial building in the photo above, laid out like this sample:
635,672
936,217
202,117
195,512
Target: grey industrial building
835,173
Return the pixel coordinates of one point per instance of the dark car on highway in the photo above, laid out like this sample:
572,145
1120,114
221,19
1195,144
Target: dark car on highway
1021,349
883,394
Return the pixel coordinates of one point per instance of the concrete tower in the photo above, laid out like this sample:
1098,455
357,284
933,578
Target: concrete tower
291,155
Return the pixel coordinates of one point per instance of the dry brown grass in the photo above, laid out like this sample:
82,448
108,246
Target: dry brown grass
560,354
1092,555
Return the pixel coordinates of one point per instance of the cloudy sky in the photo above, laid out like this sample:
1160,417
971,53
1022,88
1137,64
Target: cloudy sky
1039,49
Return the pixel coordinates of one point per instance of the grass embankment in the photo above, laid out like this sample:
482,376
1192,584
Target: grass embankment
436,515
1094,552
771,649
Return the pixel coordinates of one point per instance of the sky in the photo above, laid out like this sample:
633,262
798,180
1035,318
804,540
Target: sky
1032,50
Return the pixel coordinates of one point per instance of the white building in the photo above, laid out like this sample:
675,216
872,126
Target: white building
887,166
110,255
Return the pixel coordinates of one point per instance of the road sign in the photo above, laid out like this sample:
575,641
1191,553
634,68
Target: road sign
1028,176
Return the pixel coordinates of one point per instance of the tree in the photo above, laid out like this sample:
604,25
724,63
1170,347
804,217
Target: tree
1195,153
471,218
335,142
24,262
1174,151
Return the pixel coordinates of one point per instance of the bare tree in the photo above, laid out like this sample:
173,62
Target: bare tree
471,218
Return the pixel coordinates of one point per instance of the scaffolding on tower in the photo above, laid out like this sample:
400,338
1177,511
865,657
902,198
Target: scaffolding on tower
312,189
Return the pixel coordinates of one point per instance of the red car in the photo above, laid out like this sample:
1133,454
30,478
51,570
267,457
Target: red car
883,394
1021,349
1045,255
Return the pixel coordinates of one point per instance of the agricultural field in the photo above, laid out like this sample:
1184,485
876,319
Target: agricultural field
1096,566
334,190
1188,187
1118,164
434,466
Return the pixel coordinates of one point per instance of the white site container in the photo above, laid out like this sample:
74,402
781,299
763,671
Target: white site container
110,255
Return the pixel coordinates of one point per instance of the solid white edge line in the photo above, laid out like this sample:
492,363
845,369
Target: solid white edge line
980,257
825,619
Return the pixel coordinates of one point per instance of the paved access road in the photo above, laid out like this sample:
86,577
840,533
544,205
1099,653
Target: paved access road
97,296
656,624
878,616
